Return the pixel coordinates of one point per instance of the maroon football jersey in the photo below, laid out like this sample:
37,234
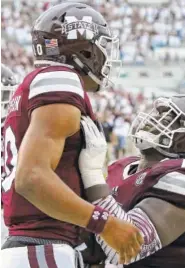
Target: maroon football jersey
54,84
165,180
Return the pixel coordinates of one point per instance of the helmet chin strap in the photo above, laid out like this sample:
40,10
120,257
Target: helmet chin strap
168,154
86,70
142,146
160,150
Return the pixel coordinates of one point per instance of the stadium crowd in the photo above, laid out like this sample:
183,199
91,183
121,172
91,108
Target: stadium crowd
116,109
144,29
141,30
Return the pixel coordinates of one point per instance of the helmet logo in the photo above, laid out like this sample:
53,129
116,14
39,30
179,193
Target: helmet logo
73,25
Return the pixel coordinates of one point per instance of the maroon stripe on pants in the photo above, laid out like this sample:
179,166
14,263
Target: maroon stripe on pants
50,259
32,257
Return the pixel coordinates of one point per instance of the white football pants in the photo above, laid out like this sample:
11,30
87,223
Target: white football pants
46,256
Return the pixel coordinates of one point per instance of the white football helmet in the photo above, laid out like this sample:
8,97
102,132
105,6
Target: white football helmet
163,128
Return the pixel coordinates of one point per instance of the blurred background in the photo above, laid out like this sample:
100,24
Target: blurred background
152,49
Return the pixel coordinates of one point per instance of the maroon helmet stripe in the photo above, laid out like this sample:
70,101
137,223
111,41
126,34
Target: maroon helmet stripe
49,255
32,257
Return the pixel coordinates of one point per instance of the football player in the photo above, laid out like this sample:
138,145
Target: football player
148,190
43,195
8,82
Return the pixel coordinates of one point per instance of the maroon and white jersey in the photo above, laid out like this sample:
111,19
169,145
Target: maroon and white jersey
2,150
48,85
165,180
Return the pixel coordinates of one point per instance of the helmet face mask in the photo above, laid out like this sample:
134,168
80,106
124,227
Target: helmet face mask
6,94
110,48
66,32
162,128
8,86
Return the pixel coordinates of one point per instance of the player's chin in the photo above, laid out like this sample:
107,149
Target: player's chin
94,87
90,84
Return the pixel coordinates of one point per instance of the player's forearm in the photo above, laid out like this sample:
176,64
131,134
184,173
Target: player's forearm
48,193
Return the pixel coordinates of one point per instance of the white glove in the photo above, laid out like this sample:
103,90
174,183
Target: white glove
92,158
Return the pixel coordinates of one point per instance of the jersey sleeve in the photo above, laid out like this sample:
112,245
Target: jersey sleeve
171,188
51,86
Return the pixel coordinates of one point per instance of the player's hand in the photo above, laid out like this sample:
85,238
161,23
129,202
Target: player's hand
124,237
92,157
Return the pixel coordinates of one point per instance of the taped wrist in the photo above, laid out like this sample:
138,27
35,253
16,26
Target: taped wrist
98,220
92,177
96,192
95,185
152,241
110,204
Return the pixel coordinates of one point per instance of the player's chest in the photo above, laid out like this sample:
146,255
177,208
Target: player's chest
74,143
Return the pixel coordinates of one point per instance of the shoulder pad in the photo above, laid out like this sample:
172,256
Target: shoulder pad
173,182
55,80
167,166
119,170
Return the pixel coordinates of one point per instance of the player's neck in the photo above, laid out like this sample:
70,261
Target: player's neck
145,164
149,160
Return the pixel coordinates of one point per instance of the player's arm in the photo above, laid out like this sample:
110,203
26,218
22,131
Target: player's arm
168,219
160,223
39,155
154,229
36,180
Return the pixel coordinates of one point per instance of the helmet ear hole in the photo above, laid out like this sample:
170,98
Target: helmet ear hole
86,54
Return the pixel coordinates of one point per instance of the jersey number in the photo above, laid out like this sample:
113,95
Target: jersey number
38,50
10,158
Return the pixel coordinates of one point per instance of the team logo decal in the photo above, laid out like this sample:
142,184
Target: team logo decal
140,179
85,27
